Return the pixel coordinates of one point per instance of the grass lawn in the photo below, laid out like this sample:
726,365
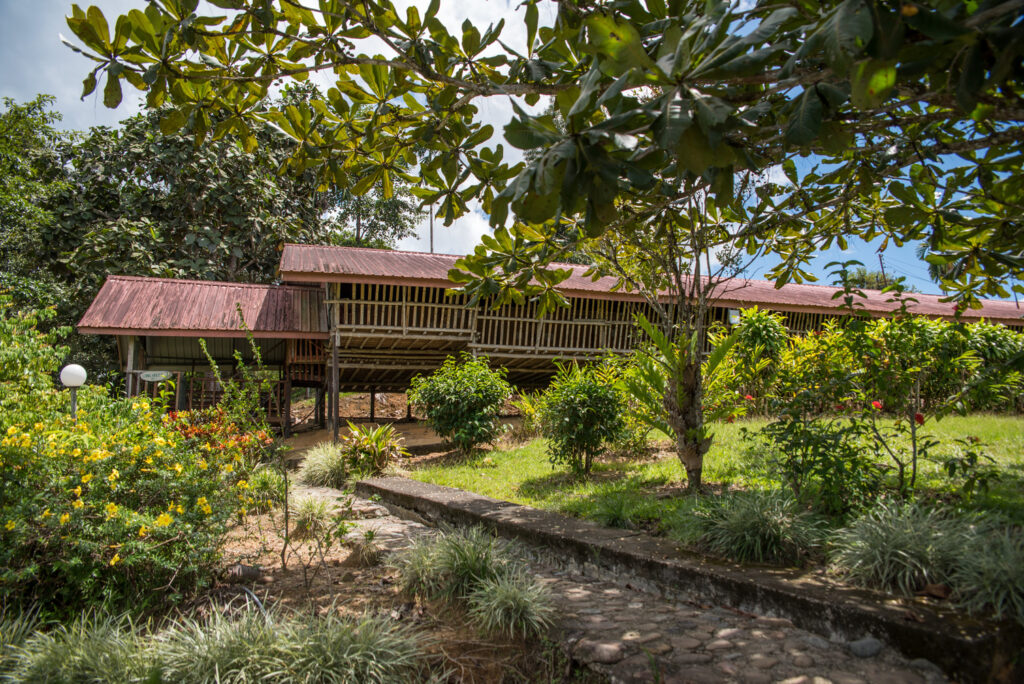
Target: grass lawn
624,492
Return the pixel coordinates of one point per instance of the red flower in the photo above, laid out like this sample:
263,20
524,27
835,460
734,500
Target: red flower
877,404
749,397
730,419
919,419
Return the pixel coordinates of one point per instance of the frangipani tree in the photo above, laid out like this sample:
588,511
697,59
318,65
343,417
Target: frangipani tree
906,114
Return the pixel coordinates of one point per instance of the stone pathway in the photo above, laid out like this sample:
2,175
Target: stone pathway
632,635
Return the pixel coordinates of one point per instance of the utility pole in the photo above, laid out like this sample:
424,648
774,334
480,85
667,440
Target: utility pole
431,228
885,280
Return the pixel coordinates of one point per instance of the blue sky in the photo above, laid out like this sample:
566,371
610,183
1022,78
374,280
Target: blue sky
33,60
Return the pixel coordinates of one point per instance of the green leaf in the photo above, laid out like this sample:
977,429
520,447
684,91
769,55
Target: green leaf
531,27
805,119
112,92
873,80
617,42
89,84
172,122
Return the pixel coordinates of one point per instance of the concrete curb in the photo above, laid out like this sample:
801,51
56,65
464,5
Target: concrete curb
969,650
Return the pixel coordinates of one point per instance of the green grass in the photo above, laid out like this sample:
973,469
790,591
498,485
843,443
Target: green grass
618,492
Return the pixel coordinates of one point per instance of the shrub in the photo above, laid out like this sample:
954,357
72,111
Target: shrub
368,450
989,574
900,547
512,605
324,466
824,462
579,415
527,403
462,400
760,527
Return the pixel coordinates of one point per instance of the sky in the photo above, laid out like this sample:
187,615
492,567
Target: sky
33,60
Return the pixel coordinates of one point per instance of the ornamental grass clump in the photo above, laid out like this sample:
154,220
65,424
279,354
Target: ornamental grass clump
324,466
901,547
759,527
486,576
310,518
93,648
512,605
989,574
267,487
368,450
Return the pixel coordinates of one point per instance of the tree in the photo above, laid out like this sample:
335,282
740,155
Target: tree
29,177
906,116
372,220
861,277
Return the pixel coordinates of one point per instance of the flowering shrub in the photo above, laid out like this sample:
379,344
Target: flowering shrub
123,505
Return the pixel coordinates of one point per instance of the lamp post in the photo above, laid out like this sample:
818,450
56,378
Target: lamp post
73,376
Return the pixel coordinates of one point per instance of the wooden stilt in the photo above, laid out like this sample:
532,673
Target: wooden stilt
373,403
129,376
334,387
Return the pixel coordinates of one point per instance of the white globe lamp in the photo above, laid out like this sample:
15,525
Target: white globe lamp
73,376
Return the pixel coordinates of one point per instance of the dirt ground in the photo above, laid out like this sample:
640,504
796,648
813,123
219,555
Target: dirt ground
335,582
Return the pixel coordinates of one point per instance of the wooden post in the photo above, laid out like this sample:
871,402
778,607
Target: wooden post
334,386
408,408
129,367
373,401
287,407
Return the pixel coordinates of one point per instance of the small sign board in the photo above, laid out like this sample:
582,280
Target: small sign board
155,376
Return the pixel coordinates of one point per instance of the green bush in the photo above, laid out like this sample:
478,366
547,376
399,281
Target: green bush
462,400
124,506
824,462
579,415
368,450
900,547
325,465
527,403
760,527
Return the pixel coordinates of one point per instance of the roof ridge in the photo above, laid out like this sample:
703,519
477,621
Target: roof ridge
222,283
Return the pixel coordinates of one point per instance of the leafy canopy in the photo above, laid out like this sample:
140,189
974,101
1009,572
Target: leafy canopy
907,115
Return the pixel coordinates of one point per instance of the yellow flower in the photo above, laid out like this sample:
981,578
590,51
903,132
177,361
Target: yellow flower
111,509
38,427
177,468
77,503
64,517
228,468
203,465
76,452
77,491
159,441
136,449
115,559
180,509
113,475
13,430
143,531
86,478
242,484
46,513
149,460
10,525
163,520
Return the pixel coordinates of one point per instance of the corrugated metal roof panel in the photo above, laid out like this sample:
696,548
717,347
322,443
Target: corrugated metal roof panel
322,263
162,306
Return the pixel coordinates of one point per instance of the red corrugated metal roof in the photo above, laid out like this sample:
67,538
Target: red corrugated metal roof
321,263
162,306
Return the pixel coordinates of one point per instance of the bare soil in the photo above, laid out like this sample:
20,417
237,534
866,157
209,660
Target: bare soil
333,582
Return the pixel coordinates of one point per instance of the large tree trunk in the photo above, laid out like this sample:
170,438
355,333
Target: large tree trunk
684,405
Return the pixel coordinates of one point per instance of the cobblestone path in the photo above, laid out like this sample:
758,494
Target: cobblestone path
633,635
